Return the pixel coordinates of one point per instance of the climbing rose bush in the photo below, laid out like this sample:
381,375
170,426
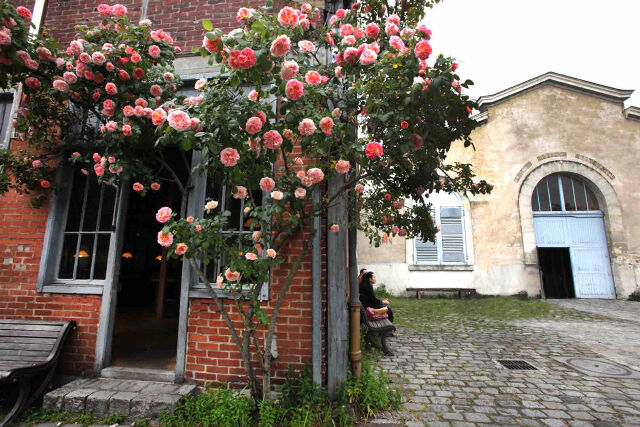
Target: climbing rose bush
356,110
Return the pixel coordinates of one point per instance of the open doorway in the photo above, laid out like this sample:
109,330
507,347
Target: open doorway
146,321
555,268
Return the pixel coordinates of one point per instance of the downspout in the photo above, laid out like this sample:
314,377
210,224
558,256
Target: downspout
355,353
316,293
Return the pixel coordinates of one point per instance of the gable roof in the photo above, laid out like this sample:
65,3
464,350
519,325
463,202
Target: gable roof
559,80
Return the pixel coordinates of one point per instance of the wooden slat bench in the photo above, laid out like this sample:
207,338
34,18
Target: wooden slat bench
382,328
29,349
461,291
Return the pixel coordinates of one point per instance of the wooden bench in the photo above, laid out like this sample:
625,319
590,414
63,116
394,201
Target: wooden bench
461,291
29,349
382,328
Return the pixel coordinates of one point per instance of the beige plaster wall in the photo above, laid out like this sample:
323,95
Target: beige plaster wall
547,129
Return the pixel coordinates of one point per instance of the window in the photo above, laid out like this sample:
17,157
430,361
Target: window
87,232
238,229
563,192
449,246
78,255
6,105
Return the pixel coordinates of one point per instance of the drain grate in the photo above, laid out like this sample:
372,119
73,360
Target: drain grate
519,365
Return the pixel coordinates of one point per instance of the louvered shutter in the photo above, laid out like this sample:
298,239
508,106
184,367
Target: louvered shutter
426,252
452,234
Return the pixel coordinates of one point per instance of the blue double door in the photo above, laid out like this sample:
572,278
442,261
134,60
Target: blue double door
584,235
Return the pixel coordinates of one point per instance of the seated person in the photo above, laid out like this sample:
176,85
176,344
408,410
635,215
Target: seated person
368,296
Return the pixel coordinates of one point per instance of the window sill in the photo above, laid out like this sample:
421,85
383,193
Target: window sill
64,288
441,267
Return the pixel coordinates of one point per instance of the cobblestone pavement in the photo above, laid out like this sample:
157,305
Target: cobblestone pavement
448,374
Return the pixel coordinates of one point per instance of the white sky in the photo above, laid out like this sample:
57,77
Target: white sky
500,43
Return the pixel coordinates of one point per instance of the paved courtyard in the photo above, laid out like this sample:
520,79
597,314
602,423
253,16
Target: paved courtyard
448,372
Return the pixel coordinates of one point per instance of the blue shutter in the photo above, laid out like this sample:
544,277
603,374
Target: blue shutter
452,234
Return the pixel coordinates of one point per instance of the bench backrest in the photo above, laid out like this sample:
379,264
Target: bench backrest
29,344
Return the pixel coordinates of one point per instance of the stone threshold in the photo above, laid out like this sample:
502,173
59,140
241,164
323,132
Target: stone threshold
135,399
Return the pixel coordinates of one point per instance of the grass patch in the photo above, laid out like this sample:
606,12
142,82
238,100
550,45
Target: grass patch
478,310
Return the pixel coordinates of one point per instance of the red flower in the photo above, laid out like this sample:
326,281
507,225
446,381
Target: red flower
404,125
244,58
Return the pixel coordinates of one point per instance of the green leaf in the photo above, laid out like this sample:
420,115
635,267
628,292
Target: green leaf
257,27
207,25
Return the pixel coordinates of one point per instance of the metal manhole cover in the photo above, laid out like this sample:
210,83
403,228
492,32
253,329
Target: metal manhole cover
598,367
519,365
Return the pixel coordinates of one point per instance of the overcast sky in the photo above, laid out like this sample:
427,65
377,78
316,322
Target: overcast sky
500,43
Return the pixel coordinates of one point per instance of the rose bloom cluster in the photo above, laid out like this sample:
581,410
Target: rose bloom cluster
10,31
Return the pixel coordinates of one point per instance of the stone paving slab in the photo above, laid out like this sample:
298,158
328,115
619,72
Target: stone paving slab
134,399
449,377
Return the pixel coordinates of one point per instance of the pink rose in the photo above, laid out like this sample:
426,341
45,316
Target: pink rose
44,183
346,30
165,240
277,195
36,163
111,88
287,17
300,193
368,57
251,256
245,58
359,188
229,156
256,236
211,205
104,9
241,192
32,83
315,174
126,130
181,248
155,186
306,127
280,46
118,10
24,12
306,45
271,253
111,126
312,78
154,51
155,90
231,276
326,124
200,84
351,55
289,70
422,49
253,125
343,166
137,187
60,85
98,169
164,214
373,150
294,89
272,139
159,116
335,228
267,184
179,120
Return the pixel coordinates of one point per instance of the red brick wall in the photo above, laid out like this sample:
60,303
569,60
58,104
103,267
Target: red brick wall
181,19
21,240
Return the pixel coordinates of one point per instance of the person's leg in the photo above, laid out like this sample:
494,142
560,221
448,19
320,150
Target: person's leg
390,313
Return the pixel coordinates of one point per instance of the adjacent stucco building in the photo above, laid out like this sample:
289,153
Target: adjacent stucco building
562,154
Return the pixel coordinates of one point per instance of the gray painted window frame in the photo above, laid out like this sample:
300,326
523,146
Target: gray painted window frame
47,280
6,138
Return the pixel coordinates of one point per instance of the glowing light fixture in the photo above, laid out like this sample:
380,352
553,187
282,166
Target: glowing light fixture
159,257
127,255
82,254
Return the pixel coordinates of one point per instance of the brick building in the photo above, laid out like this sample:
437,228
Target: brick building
108,283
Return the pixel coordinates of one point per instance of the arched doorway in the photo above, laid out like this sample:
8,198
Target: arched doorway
570,238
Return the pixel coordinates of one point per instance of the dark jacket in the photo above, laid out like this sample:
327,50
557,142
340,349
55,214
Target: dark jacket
368,297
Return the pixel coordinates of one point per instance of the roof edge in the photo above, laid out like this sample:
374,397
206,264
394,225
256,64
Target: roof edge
632,113
607,92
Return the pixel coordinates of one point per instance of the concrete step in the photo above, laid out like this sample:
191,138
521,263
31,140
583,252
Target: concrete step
125,373
134,399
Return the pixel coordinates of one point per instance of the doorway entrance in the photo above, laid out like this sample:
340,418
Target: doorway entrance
146,321
567,217
555,272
